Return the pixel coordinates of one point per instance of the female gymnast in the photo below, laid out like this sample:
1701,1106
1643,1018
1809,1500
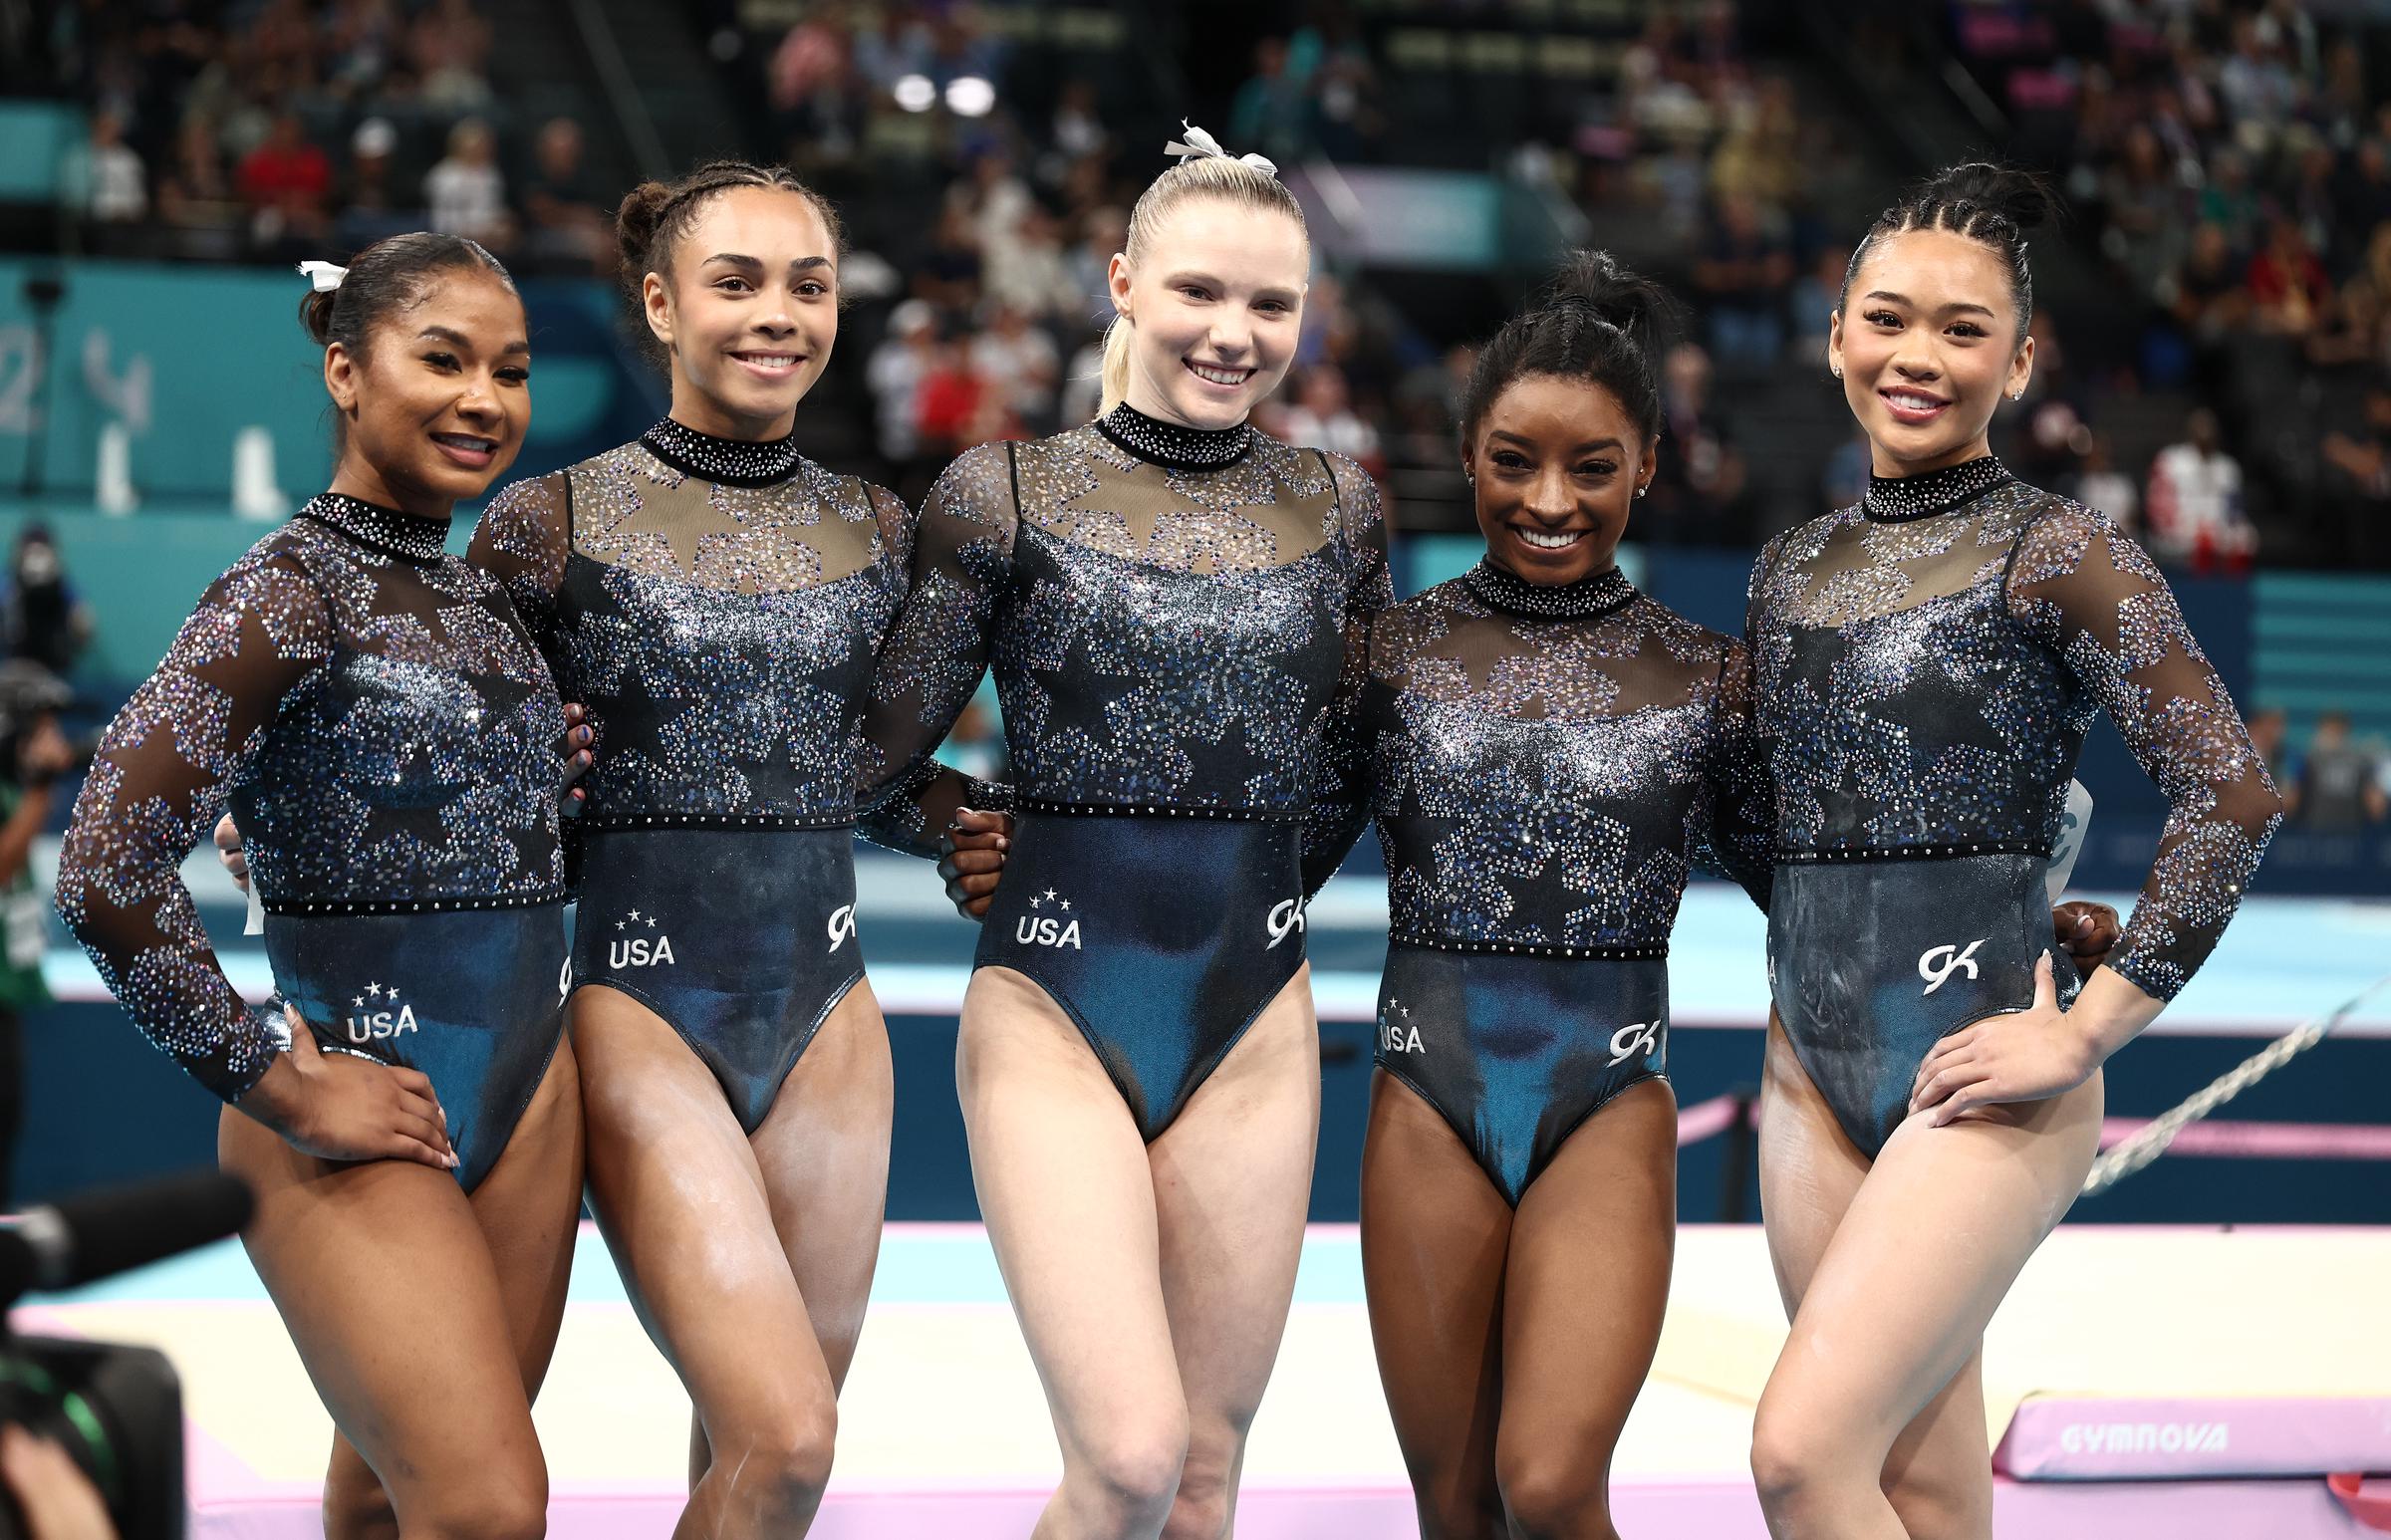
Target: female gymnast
386,728
1169,599
718,601
1926,666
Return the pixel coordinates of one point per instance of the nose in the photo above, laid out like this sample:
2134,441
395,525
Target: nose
1914,358
776,319
1230,336
479,402
1548,499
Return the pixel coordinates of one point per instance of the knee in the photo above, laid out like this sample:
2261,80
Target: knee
1795,1460
1201,1508
1943,1504
1552,1493
780,1466
1131,1472
491,1504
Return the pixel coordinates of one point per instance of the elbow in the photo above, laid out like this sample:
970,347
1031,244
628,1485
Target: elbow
2254,803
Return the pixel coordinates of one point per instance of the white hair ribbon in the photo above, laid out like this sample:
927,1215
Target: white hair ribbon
324,276
1200,145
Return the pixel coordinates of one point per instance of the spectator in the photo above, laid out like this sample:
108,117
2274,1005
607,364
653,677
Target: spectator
45,620
2287,286
2103,488
1812,300
949,274
1698,489
2196,516
34,754
452,48
1019,363
107,176
1026,269
1742,276
2356,477
369,208
1103,232
565,227
2267,733
894,376
1322,416
947,406
466,191
1271,110
284,181
2340,789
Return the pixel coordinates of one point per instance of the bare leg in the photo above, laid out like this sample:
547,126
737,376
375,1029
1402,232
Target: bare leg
426,1319
1435,1237
683,1203
824,1154
1583,1297
1898,1301
1937,1476
1232,1179
1069,1199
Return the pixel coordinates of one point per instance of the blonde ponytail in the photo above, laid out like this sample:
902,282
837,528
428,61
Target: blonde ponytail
1114,376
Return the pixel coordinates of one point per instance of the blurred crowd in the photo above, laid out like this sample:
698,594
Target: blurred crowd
279,130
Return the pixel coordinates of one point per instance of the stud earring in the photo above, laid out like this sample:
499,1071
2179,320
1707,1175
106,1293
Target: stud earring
1646,487
1837,372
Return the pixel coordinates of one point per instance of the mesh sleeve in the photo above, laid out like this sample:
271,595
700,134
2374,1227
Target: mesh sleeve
2095,598
961,559
1339,802
1734,817
157,788
523,539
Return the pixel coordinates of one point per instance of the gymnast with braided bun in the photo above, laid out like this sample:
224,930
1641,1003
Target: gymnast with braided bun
1925,666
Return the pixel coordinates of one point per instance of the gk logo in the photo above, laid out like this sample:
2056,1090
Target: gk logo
1637,1037
1951,959
842,925
1286,917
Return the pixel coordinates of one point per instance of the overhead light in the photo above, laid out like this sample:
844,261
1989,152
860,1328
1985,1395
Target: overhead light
914,93
968,96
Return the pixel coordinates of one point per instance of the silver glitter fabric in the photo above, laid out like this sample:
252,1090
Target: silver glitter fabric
719,608
1926,675
1163,640
1544,782
385,732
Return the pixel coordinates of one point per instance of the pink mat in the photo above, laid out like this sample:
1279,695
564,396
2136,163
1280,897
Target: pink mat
2062,1437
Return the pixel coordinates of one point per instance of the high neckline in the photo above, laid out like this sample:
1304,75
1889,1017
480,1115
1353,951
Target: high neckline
1892,499
1501,589
1168,445
733,461
386,530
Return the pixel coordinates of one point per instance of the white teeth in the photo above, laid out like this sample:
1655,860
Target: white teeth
1542,542
1220,377
769,360
1913,402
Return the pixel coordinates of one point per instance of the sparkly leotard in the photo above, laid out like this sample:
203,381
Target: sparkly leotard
384,733
1545,765
1168,613
718,607
1927,666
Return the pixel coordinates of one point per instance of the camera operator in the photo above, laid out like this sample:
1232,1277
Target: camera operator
34,754
55,1500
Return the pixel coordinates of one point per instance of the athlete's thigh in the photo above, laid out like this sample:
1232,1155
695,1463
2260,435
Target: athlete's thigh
824,1154
1924,1254
681,1201
385,1279
1232,1182
1068,1198
1435,1235
1809,1168
1588,1280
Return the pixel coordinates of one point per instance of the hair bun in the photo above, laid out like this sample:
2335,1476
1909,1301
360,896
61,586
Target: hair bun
1616,293
2020,198
314,314
636,220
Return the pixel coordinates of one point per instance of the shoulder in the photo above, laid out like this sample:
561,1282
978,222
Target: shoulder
1686,640
532,497
2057,537
979,481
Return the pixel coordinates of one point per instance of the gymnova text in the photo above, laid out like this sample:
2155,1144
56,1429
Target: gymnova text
2143,1438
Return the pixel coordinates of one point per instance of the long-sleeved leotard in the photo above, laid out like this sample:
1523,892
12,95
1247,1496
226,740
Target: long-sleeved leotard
720,606
1545,765
1927,664
1166,613
385,732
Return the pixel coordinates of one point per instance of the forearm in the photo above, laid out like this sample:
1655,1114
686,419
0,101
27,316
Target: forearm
2111,1012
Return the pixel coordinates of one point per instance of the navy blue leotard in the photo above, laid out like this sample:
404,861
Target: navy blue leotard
1545,765
1168,613
384,733
1927,663
718,606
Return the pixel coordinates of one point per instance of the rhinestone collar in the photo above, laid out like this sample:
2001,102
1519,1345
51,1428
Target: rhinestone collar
1892,499
386,530
1504,590
732,461
1168,444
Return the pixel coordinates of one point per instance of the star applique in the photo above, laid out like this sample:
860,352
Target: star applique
1127,495
688,529
398,595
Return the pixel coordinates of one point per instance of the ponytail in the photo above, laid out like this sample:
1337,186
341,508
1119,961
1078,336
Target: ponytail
1114,376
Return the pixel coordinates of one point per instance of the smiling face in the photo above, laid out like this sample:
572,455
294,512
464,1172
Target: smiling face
1214,305
1556,463
436,408
748,311
1927,343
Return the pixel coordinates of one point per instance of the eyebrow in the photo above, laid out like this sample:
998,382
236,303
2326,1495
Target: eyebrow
755,265
458,339
1266,292
1587,448
1903,299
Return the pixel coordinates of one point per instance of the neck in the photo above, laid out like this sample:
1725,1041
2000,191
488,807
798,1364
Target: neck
704,414
1142,396
1883,462
354,479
